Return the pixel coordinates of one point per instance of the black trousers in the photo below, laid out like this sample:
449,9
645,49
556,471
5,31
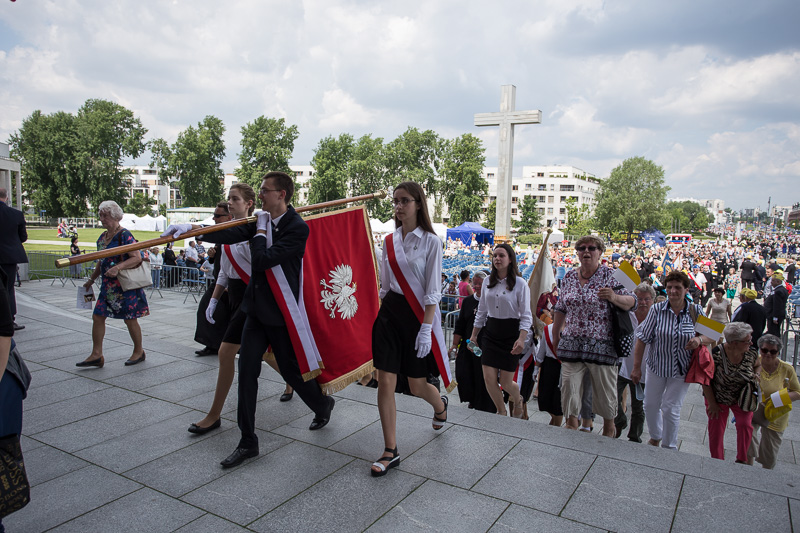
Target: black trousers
773,328
11,274
256,337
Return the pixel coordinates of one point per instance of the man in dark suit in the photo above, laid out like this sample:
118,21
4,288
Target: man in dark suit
265,324
13,234
751,312
760,279
748,272
775,305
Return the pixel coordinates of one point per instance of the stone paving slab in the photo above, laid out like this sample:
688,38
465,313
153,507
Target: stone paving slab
107,450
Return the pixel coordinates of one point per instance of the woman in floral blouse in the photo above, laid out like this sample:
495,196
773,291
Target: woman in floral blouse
582,334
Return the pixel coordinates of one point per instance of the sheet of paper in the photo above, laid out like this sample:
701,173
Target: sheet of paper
85,297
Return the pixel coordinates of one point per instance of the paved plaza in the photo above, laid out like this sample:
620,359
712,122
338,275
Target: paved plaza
107,450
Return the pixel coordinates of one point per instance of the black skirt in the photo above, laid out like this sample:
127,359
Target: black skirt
233,333
498,340
394,334
549,391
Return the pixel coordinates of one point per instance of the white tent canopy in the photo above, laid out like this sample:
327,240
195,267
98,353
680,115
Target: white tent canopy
146,223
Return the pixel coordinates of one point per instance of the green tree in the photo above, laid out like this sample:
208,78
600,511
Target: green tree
579,219
530,220
367,174
415,156
688,216
194,162
107,134
73,161
267,145
46,147
330,161
491,215
462,184
632,197
141,205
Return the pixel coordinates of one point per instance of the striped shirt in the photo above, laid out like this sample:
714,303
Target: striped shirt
667,334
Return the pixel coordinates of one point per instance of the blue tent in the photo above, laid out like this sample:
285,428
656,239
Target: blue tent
654,235
465,231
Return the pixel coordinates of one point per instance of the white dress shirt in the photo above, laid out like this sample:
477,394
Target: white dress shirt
499,302
423,252
226,270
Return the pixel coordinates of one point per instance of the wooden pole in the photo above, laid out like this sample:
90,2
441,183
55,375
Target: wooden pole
119,250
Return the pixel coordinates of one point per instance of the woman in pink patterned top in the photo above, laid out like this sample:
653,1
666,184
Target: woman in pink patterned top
582,334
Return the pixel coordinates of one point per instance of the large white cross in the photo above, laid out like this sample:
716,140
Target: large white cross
506,119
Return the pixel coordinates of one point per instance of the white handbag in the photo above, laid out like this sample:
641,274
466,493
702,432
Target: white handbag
135,278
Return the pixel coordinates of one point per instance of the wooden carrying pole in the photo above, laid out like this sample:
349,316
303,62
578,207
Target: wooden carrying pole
119,250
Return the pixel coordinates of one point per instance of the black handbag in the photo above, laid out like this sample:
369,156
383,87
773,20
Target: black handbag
621,329
15,491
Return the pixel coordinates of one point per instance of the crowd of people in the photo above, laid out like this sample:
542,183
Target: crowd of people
583,365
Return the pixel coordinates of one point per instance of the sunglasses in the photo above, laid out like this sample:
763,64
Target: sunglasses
771,352
584,248
217,215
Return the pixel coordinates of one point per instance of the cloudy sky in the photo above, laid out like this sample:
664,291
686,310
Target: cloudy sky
710,90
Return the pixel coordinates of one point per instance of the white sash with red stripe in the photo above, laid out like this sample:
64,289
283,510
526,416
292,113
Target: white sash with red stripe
414,294
294,313
524,363
239,258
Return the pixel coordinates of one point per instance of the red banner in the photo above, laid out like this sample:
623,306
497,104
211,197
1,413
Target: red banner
340,289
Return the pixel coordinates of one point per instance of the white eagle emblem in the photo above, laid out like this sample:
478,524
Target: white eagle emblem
341,296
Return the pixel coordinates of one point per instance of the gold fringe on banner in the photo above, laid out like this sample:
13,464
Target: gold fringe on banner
341,382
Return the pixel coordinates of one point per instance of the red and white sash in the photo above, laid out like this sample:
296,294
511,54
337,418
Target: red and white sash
294,313
414,293
524,363
239,263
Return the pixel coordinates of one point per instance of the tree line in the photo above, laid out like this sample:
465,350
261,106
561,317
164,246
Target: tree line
72,162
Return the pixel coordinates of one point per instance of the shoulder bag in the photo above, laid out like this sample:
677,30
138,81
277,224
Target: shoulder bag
15,491
135,278
621,329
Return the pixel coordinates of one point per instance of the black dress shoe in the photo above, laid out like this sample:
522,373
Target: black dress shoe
238,456
197,430
286,396
99,362
320,422
18,327
131,362
206,351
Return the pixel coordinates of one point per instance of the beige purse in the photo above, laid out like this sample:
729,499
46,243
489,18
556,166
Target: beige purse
135,278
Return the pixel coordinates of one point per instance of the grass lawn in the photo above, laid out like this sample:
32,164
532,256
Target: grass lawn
84,235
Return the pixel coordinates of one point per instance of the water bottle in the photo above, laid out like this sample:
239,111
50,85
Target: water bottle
639,391
475,349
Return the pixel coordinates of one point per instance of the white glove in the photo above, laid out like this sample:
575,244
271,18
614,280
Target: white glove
263,220
176,230
212,306
423,343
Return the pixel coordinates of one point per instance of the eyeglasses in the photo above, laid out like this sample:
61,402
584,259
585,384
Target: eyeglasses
262,190
402,201
584,248
771,352
218,215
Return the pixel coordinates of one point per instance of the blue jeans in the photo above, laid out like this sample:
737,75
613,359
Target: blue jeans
156,274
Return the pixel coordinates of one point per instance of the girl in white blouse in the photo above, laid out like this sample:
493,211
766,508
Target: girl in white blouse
505,311
400,343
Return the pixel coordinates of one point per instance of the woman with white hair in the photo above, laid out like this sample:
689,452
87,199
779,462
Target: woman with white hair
735,364
113,301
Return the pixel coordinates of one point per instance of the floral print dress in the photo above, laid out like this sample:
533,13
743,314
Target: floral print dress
113,301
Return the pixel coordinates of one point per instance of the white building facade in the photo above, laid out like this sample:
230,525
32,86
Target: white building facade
551,185
144,179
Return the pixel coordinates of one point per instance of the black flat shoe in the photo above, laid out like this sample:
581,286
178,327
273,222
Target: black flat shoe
320,422
205,351
286,396
18,327
238,457
99,362
197,430
131,362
